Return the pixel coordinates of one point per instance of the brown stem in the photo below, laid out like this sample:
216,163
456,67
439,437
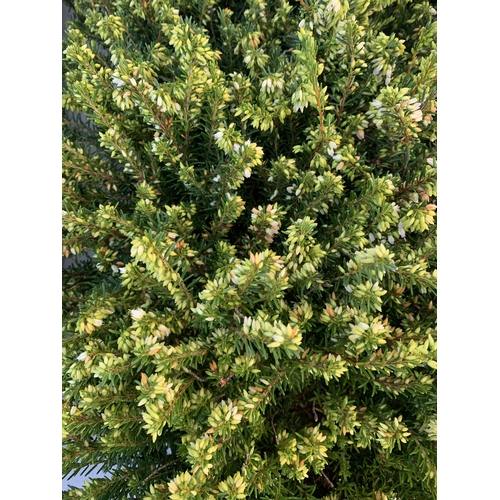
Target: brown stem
145,480
304,5
328,480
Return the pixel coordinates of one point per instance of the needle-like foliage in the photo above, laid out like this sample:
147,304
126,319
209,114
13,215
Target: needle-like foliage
249,205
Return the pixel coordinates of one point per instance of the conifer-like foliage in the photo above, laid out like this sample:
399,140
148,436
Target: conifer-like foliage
250,194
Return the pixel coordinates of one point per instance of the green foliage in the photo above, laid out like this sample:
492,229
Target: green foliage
251,190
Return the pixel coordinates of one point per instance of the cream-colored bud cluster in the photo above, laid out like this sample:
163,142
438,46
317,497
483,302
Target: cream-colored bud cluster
392,433
233,487
160,258
395,101
419,218
111,29
158,395
200,453
273,84
289,457
274,335
266,223
372,263
368,295
384,50
93,318
224,418
303,254
368,334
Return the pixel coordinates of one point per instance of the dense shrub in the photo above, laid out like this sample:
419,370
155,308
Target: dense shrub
250,244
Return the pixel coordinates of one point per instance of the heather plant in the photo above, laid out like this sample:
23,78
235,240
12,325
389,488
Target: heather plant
249,236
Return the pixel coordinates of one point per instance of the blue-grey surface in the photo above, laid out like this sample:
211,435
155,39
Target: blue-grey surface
65,17
78,480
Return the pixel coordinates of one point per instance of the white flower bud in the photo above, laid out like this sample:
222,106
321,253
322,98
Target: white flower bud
401,230
163,329
116,81
137,313
416,115
388,75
